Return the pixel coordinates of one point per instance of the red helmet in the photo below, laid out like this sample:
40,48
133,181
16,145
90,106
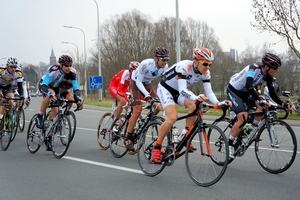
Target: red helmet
203,54
133,65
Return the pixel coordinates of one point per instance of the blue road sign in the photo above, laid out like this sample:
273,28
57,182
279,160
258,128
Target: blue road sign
95,82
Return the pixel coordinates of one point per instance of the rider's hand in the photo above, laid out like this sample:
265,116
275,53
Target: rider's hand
287,107
79,103
202,98
225,103
27,101
262,102
52,97
148,98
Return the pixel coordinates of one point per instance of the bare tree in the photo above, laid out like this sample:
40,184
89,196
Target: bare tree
281,17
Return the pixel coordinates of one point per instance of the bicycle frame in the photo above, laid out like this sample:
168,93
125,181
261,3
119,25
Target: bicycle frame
197,126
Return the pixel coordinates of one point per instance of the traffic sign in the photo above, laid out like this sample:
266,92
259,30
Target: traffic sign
95,82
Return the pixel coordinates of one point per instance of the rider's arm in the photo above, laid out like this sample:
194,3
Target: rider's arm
273,95
249,84
45,83
182,88
139,80
209,92
76,89
20,88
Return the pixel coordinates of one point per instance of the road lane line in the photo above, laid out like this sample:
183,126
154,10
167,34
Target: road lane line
103,164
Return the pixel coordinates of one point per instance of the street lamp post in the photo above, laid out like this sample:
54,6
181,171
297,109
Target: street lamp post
99,53
85,81
177,34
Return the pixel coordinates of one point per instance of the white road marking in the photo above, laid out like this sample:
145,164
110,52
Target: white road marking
103,164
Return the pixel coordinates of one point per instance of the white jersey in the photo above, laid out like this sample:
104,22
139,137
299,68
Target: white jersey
145,73
239,80
182,74
7,78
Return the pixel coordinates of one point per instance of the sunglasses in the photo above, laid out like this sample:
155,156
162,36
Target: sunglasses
13,66
68,65
164,59
205,64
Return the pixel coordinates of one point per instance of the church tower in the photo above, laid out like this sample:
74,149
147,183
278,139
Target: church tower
52,58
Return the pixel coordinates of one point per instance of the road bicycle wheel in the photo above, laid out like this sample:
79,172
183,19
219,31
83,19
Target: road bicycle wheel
6,132
21,116
34,136
15,124
225,126
103,130
276,150
144,151
116,138
61,136
200,166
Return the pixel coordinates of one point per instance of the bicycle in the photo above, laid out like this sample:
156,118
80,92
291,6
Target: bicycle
275,143
104,126
70,114
8,124
200,166
295,105
57,132
116,138
15,111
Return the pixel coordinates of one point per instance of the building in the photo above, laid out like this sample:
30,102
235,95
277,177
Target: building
52,58
233,54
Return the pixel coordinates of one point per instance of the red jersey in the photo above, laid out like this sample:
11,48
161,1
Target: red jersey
121,82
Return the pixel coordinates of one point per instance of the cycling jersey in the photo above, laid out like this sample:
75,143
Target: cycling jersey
15,87
176,80
119,83
55,78
246,80
145,73
7,78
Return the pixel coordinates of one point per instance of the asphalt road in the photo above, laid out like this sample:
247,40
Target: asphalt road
86,172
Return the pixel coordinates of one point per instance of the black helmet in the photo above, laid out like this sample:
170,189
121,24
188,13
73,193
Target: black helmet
161,52
271,60
63,59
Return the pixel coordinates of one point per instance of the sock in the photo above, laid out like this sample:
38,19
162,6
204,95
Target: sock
158,144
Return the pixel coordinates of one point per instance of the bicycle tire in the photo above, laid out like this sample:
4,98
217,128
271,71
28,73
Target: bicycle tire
224,125
6,132
21,116
34,136
73,123
61,136
146,143
103,130
15,122
72,120
276,159
116,139
200,167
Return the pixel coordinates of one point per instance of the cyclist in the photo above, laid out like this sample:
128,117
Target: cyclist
172,89
25,92
9,73
242,84
50,85
119,85
64,89
141,84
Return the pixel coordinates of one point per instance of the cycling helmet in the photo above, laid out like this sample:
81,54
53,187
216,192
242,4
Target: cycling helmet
271,60
203,54
12,61
161,52
133,65
64,59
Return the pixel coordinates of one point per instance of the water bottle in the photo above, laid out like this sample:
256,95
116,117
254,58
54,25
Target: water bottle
175,134
128,110
232,114
183,132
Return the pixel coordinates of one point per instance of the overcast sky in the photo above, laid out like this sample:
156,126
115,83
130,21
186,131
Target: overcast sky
31,28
